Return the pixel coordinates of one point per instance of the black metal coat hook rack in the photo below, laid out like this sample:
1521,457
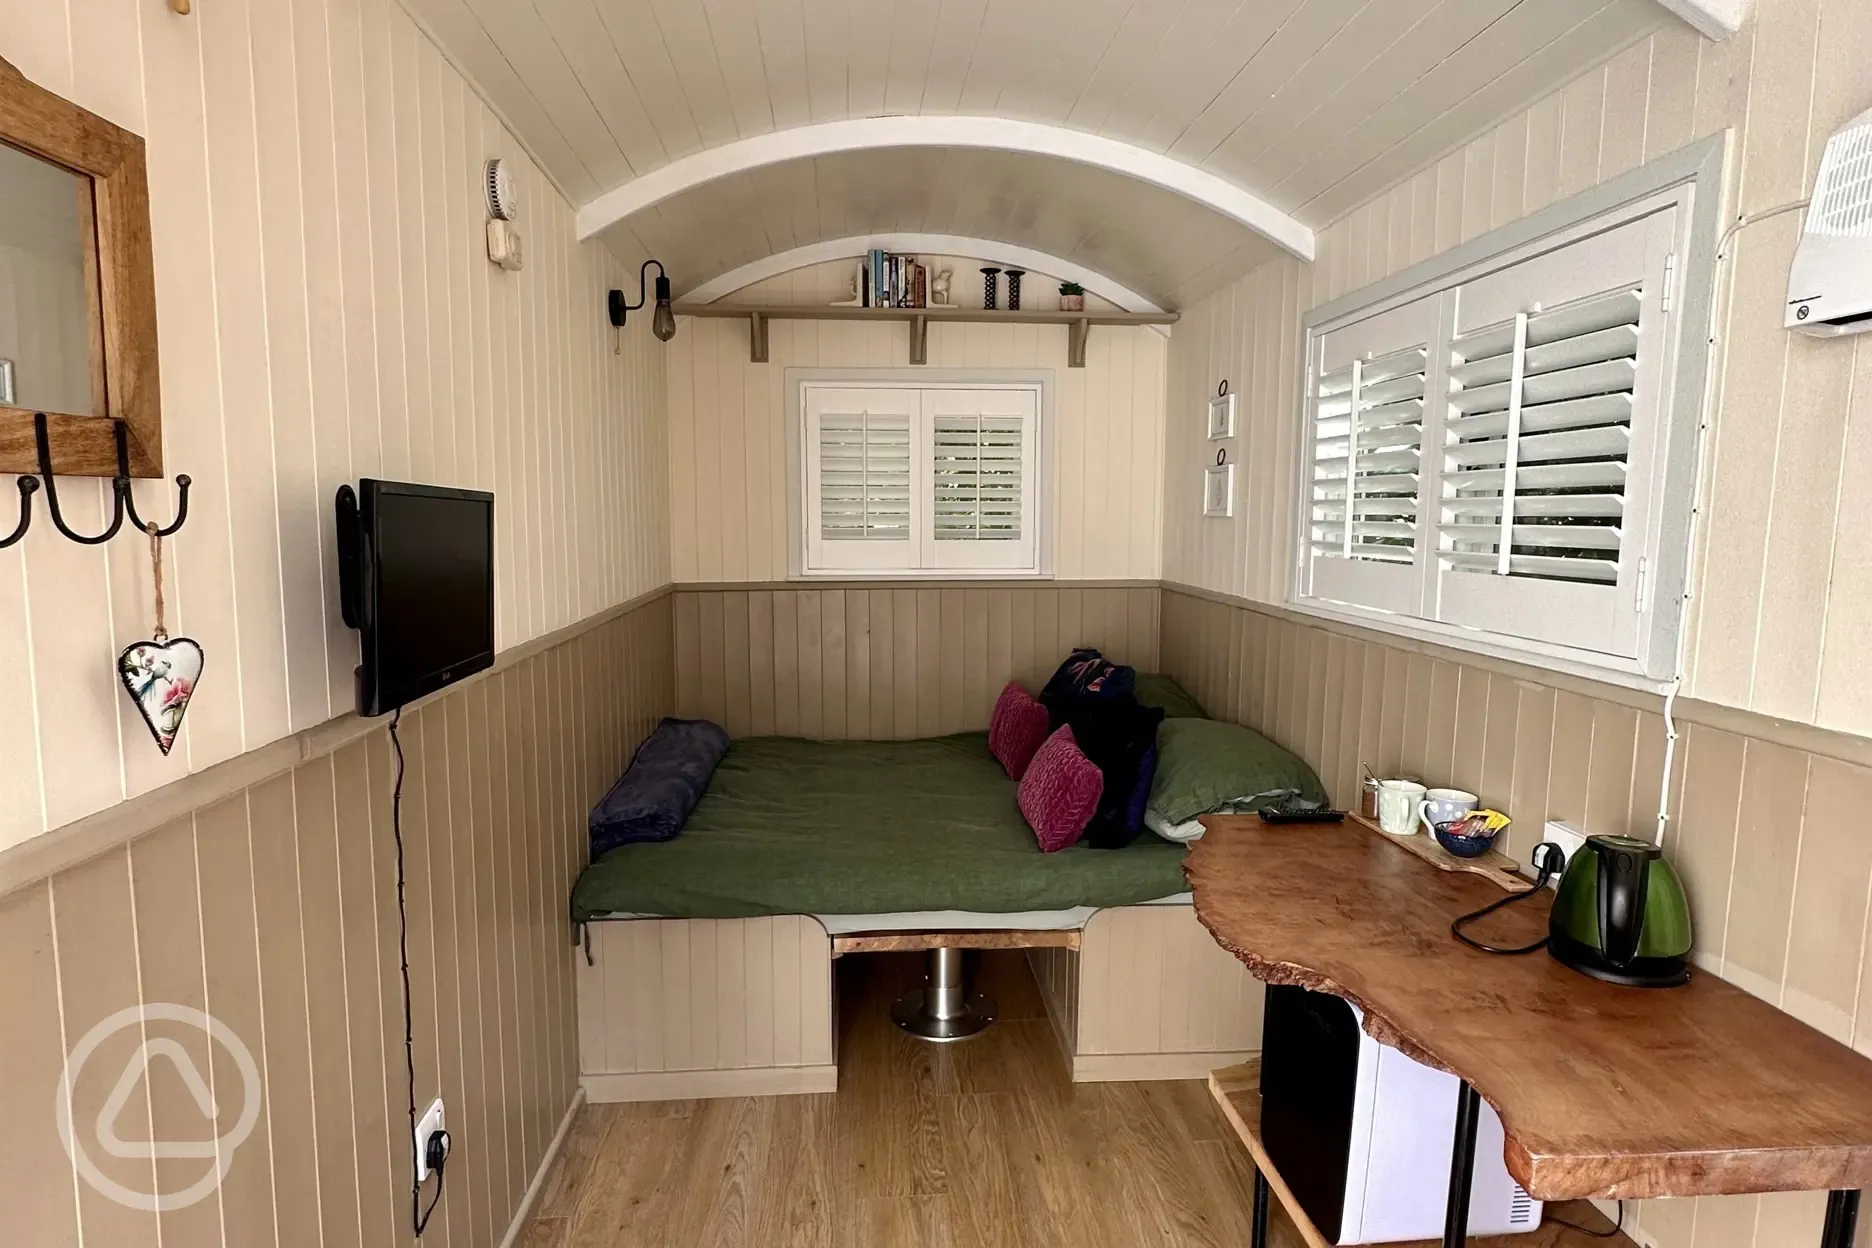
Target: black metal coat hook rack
125,501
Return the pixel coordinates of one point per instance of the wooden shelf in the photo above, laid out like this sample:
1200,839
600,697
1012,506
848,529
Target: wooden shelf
1079,323
898,942
1237,1089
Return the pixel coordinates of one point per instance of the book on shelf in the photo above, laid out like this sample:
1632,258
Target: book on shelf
887,280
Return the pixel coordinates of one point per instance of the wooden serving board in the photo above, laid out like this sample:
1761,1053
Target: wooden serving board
1494,865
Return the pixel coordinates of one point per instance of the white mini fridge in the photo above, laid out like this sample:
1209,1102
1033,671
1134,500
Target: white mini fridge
1363,1134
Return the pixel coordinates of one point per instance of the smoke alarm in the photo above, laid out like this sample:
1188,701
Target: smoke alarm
503,204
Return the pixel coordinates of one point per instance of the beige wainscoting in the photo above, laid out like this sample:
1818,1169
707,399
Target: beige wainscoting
677,1008
890,661
1771,839
274,910
1148,995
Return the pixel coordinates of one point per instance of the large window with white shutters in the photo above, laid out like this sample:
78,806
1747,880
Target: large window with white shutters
904,479
1500,449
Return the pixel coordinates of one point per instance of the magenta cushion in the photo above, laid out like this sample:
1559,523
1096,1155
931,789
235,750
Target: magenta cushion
1060,792
1019,725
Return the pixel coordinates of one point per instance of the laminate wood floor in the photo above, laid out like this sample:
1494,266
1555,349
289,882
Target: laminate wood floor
986,1143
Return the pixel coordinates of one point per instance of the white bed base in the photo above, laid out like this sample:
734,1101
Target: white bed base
672,1009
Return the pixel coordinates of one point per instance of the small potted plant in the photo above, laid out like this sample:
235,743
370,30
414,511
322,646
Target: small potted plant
1072,297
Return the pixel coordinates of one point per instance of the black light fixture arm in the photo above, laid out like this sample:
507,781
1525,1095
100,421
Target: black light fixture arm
663,323
124,503
622,307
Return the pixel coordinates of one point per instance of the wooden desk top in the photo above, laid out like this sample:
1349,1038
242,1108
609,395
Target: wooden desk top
1604,1091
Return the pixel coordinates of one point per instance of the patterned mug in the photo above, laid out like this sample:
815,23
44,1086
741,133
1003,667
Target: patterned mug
1398,803
1444,806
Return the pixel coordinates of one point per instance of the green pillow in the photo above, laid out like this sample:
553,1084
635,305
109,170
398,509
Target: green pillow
1154,690
1204,765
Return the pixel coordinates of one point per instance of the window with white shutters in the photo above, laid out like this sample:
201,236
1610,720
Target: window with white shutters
906,480
1496,441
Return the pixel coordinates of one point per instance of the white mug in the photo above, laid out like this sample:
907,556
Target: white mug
1398,806
1444,806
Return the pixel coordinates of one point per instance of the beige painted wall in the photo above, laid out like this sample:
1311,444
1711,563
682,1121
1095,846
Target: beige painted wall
1770,839
727,445
860,663
326,312
1783,603
274,910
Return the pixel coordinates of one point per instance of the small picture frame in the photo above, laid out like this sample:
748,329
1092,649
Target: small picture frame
6,383
1222,417
1219,491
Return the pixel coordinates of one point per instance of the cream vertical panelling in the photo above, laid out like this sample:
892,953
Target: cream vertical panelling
274,910
1768,838
1776,625
820,662
325,312
727,439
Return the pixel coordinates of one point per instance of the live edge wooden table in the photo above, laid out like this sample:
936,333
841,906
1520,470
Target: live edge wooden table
1603,1091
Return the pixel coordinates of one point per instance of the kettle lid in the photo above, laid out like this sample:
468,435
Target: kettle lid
1625,845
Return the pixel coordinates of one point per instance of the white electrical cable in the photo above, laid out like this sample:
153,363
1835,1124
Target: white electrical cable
1712,379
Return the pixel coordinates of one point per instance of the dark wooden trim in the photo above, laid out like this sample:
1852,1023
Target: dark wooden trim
55,129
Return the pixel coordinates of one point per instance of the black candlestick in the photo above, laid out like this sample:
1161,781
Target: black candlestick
990,283
1014,282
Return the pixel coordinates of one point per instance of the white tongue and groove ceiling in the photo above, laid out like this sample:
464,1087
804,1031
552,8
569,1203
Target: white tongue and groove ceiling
703,131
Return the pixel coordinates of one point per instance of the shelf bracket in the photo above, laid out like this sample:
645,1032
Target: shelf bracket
919,340
1076,335
757,337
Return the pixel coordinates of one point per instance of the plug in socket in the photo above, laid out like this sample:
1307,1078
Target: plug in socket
433,1120
1565,835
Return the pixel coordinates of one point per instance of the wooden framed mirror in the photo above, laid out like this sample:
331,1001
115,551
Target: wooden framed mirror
77,288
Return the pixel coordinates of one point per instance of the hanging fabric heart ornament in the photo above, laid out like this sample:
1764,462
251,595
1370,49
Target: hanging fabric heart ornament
160,674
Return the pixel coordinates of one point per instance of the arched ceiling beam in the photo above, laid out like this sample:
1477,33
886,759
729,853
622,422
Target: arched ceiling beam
923,245
1000,133
1713,19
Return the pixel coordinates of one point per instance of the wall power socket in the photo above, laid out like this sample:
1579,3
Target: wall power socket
433,1120
1566,836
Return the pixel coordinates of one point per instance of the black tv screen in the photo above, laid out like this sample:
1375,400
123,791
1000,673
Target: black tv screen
422,589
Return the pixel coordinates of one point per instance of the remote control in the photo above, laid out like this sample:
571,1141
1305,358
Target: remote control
1293,810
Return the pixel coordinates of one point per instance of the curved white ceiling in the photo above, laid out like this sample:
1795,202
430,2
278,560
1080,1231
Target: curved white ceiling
864,134
1301,109
1151,241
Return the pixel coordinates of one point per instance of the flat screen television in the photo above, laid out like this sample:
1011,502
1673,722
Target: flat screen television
416,575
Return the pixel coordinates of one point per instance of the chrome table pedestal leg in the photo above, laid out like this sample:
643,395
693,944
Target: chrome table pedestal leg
1462,1167
1258,1232
1842,1218
943,1009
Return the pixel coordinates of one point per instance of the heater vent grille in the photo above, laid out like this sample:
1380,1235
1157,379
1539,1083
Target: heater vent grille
1842,203
1521,1208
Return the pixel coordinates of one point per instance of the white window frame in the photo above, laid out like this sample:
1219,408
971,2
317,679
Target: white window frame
1039,382
1693,177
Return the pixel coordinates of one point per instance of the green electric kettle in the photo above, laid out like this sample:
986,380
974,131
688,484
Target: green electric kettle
1621,915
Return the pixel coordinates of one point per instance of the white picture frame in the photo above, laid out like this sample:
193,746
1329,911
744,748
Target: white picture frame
1219,491
6,383
1222,417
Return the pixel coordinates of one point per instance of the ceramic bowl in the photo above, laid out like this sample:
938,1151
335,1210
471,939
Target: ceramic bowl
1463,846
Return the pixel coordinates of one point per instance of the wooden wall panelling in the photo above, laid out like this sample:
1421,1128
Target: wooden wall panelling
1762,832
705,1007
727,452
1152,983
401,354
275,911
1782,85
857,663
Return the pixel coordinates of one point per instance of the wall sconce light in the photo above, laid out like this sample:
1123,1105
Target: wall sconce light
663,322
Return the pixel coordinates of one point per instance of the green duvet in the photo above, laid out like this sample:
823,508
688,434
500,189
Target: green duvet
865,827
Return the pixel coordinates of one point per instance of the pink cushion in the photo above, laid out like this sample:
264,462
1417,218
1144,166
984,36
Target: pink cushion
1060,792
1019,726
